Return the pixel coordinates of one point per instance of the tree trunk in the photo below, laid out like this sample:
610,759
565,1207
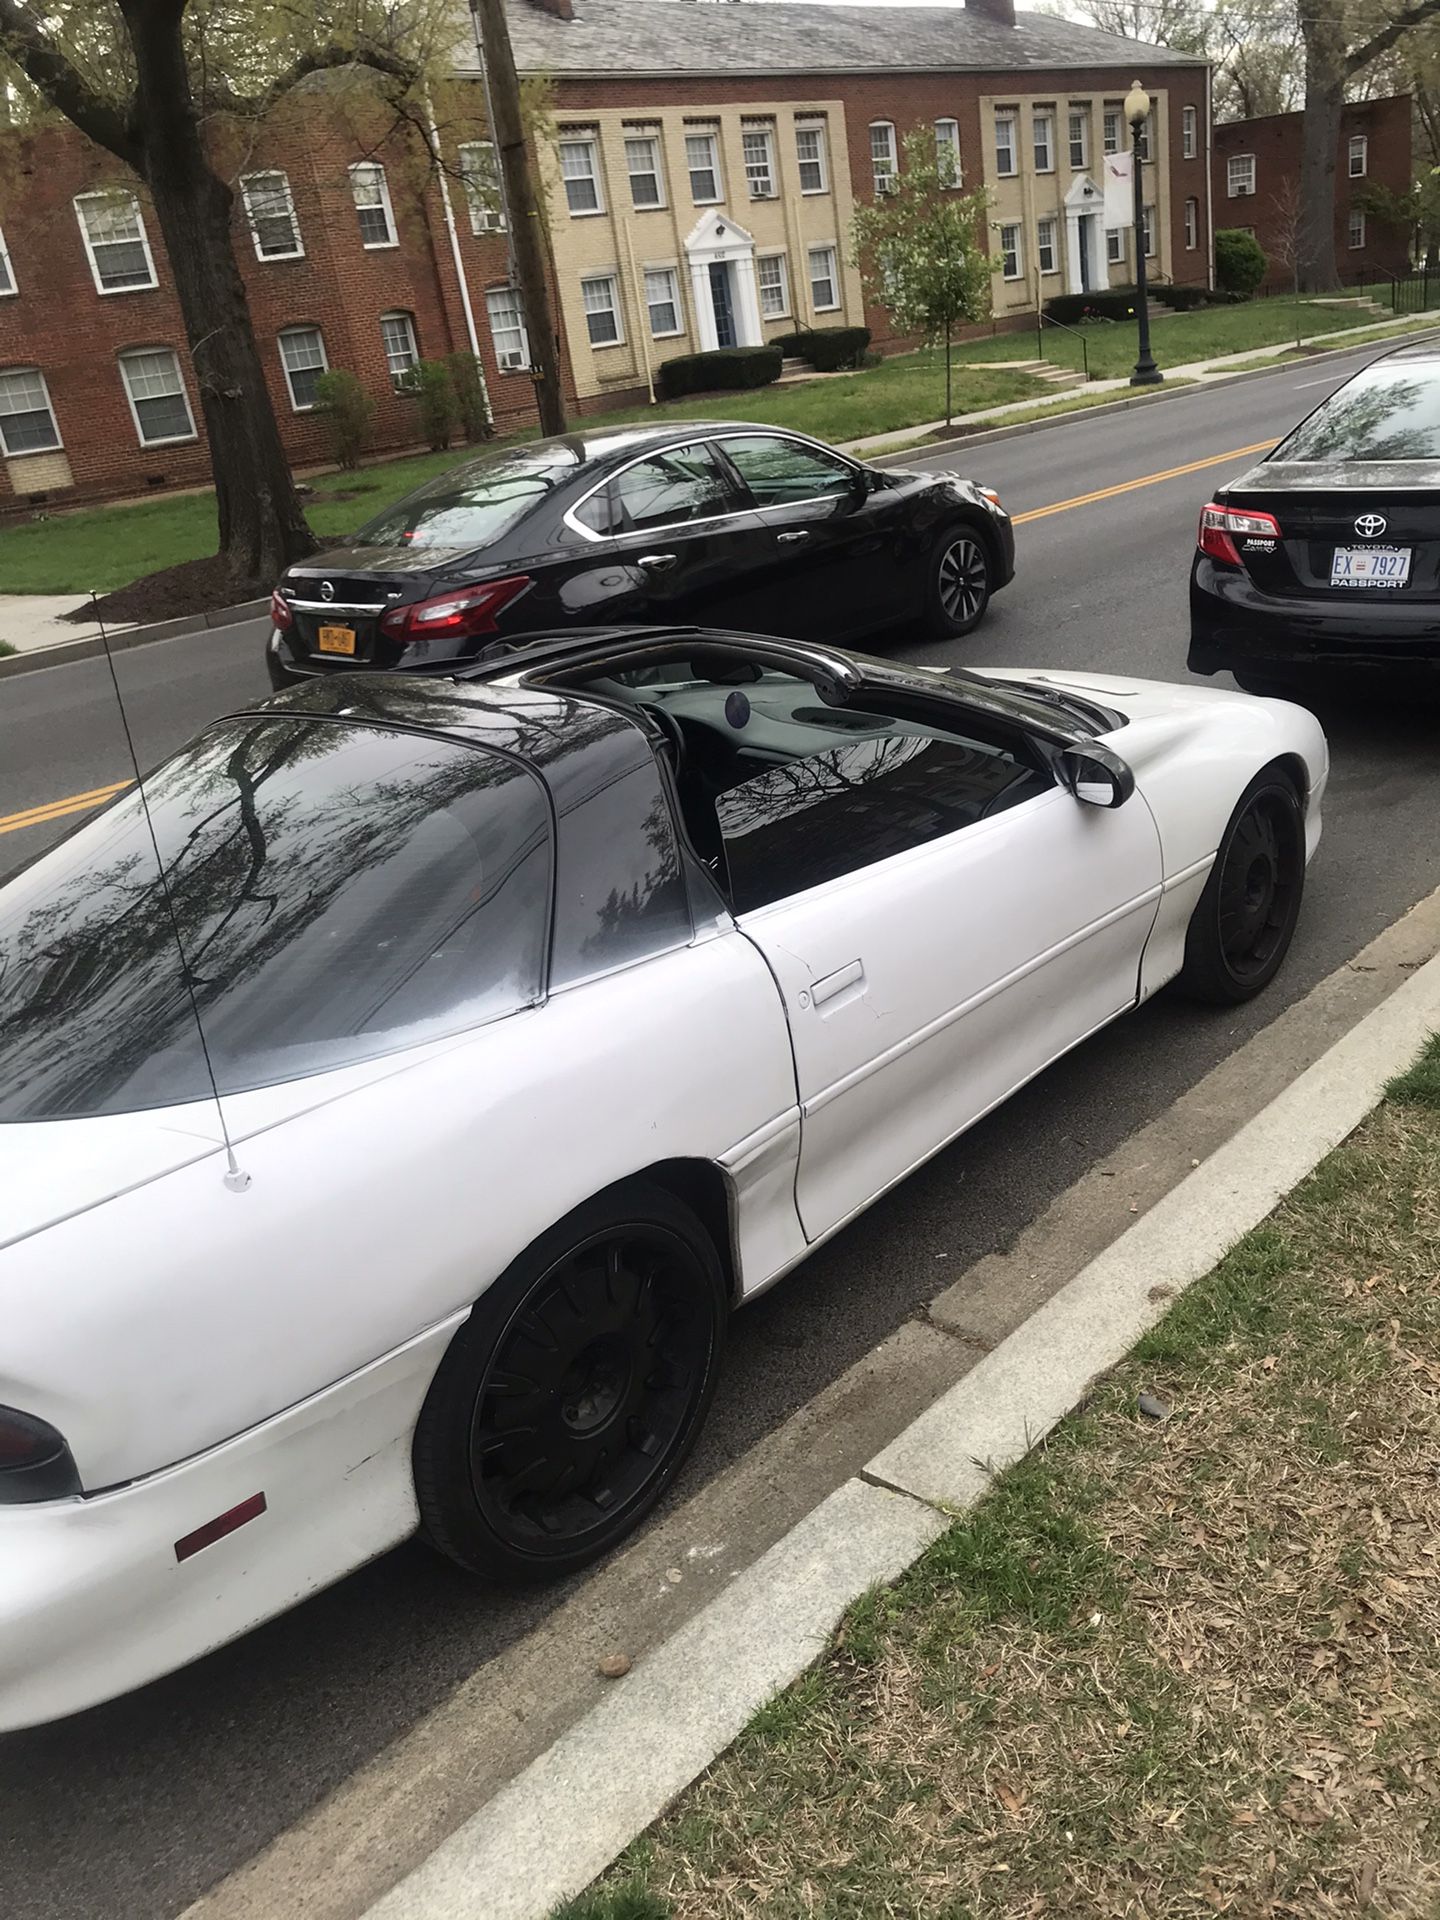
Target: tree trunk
1324,31
261,524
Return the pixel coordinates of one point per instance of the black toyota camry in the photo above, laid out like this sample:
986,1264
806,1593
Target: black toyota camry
1325,556
730,525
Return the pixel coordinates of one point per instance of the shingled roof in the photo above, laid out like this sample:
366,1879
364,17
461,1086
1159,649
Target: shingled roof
669,37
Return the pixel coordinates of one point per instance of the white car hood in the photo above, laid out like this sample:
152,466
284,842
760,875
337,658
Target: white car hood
1135,697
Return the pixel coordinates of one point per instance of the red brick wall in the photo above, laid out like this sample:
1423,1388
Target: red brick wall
1275,142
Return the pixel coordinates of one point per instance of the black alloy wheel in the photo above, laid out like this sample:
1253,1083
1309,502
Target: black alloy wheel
566,1404
959,583
1245,920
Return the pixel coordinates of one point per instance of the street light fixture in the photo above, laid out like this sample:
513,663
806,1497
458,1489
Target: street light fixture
1137,112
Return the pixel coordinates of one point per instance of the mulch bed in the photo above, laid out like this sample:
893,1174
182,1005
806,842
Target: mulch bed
195,586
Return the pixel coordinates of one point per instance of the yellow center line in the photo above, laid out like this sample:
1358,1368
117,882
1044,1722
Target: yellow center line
57,809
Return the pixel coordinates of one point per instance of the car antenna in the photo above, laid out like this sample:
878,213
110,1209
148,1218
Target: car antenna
236,1179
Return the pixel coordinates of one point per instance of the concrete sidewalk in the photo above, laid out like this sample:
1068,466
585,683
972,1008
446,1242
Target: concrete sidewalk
32,622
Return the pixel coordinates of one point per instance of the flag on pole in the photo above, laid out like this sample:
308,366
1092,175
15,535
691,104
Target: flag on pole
1119,193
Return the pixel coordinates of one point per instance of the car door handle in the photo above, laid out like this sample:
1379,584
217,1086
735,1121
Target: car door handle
658,562
790,539
852,974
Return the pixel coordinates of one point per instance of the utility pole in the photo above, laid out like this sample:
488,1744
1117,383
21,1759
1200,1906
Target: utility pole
524,217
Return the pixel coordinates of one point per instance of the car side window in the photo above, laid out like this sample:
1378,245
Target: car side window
779,471
791,827
670,489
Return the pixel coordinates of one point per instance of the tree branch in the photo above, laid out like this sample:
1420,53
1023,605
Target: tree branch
316,60
1381,42
64,86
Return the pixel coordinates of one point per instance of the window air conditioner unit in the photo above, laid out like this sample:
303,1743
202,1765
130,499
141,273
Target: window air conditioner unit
512,362
1242,190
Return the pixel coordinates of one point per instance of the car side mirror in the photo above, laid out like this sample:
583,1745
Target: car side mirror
1097,776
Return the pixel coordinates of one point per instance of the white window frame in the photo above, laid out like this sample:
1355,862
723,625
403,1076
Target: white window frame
112,194
711,138
248,180
1192,224
820,159
831,273
673,299
1240,176
399,380
520,364
590,143
1359,148
884,156
168,439
761,181
1043,117
616,309
1355,229
1115,246
1044,246
950,138
474,176
1189,133
1015,253
25,452
1150,229
376,172
1009,118
1112,129
285,334
778,259
637,137
11,285
1078,117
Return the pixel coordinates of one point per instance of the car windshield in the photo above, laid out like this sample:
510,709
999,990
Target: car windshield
472,505
1388,412
338,890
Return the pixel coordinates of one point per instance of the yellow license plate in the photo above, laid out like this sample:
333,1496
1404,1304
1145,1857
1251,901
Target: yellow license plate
337,640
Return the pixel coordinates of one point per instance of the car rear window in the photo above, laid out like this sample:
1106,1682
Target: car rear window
472,505
1388,412
339,891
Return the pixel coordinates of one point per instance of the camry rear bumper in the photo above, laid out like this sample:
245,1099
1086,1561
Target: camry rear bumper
1233,625
95,1598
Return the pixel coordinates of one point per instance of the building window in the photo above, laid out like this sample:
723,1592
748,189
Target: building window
402,352
1192,225
602,310
947,151
302,354
884,160
1079,139
824,284
114,235
1005,143
7,272
662,297
27,420
1045,247
369,191
1240,175
155,389
1115,245
507,329
1147,215
758,146
810,152
480,174
1356,229
271,213
1189,133
1043,128
1010,252
703,160
1359,156
774,284
642,163
580,170
1114,119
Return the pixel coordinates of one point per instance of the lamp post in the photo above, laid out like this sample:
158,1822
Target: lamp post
1137,112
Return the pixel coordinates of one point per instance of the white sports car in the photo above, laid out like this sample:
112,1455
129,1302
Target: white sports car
527,1022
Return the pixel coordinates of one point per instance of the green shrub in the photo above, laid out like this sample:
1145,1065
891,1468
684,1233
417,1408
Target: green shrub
828,349
467,384
435,398
1101,303
727,369
1184,299
347,411
791,345
1240,261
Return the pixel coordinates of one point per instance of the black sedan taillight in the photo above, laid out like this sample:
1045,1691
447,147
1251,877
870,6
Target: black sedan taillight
35,1463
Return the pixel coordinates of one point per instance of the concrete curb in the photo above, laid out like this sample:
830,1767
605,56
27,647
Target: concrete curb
127,637
576,1807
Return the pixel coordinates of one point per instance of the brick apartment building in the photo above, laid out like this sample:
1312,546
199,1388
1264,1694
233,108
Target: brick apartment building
1256,173
704,169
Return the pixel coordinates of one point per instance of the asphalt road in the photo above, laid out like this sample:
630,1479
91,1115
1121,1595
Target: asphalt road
132,1810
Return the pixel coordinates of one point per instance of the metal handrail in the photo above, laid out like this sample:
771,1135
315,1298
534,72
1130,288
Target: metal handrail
1043,320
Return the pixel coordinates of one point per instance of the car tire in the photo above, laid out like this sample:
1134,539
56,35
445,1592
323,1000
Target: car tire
959,582
566,1404
1245,919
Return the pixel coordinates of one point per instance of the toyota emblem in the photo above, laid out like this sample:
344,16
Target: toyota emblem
327,587
1370,526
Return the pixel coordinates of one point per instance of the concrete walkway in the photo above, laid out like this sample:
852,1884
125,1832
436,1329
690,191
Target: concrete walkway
30,622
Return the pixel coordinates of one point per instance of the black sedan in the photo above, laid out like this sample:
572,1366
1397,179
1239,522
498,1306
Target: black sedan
729,525
1324,558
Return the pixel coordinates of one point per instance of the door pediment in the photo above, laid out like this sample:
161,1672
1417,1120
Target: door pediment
718,237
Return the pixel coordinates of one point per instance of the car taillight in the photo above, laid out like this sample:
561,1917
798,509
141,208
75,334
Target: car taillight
454,616
280,614
35,1463
1219,527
